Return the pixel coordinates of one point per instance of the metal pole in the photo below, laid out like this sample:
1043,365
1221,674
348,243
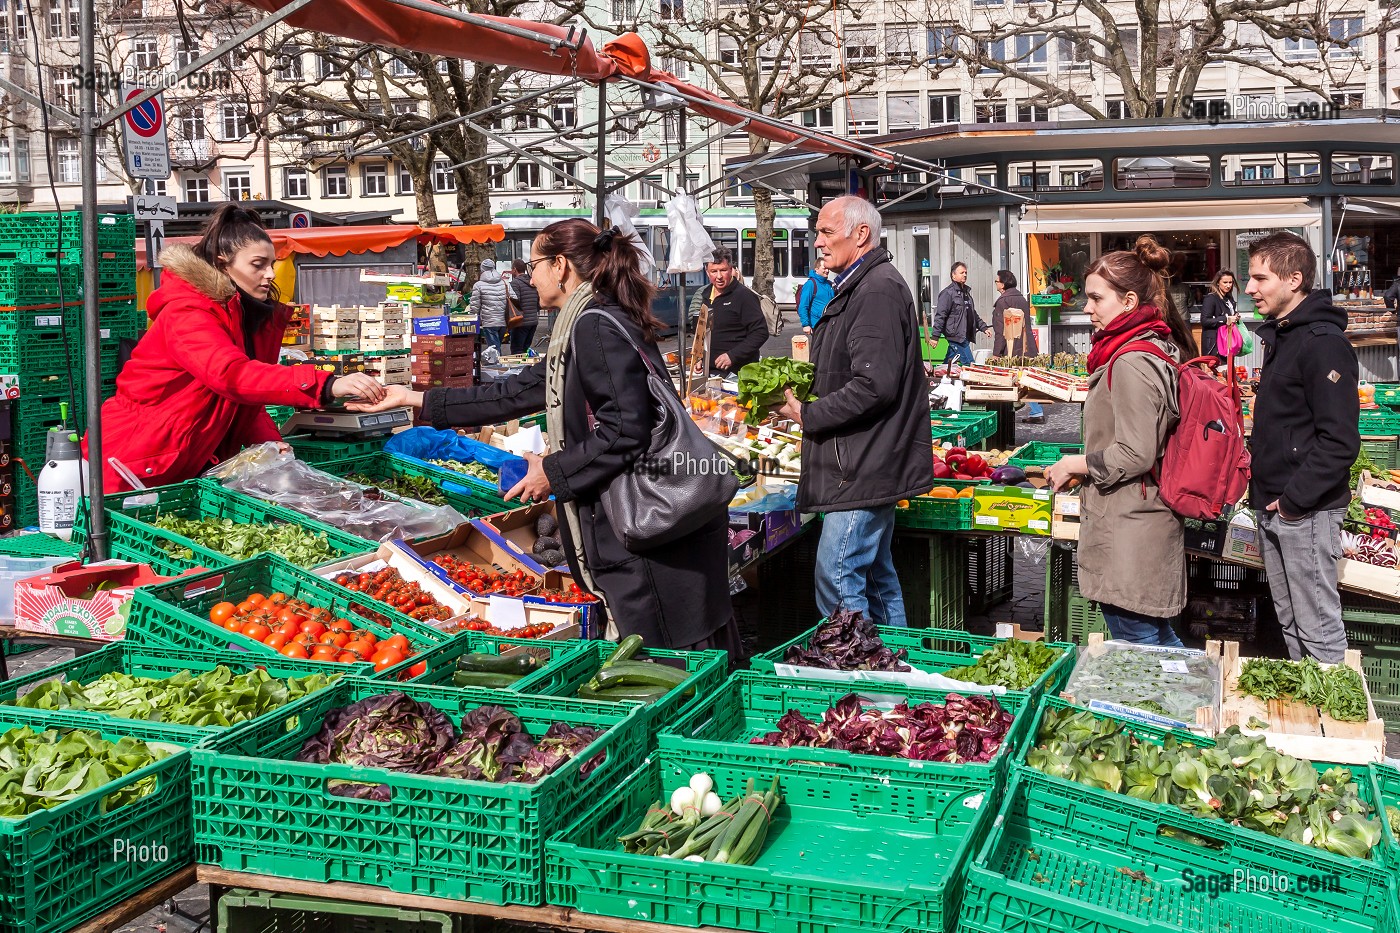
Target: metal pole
682,185
600,190
92,363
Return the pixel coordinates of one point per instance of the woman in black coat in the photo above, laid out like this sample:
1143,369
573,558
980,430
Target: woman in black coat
676,595
1217,311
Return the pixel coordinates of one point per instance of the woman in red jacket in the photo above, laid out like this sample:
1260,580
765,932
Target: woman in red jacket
195,389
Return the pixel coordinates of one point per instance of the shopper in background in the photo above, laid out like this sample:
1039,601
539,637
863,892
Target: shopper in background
593,387
956,319
737,328
1305,441
1132,557
813,296
197,385
489,303
527,300
866,442
1218,310
1392,292
1013,331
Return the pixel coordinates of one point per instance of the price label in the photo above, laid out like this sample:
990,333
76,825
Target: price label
765,435
1174,667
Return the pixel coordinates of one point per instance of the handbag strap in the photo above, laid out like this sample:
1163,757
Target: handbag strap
588,409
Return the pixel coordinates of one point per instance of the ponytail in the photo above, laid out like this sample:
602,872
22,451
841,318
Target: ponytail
230,229
611,261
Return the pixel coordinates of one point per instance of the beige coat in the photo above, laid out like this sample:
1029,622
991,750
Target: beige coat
1131,546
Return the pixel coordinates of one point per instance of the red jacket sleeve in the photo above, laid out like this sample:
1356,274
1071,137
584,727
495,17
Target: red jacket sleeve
203,347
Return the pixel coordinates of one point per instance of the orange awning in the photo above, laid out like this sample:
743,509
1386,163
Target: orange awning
337,241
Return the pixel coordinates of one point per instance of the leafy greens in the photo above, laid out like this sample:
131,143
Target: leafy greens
1338,690
41,770
847,641
762,385
1014,664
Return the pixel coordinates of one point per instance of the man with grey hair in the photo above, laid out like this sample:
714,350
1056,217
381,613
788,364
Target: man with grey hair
866,441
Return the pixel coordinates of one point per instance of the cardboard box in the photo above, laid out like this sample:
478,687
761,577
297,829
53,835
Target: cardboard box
446,346
469,544
1012,508
55,603
515,531
436,364
443,326
381,344
1241,543
423,383
408,568
503,612
770,528
379,329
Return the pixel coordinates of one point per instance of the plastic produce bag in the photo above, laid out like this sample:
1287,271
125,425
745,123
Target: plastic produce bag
909,678
1246,340
1228,341
1165,686
623,215
266,473
428,444
691,246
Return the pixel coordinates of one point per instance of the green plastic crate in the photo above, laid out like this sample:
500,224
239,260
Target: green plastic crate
176,614
707,672
39,228
844,854
1042,454
38,545
963,429
131,517
560,662
932,650
61,865
25,285
750,704
280,413
383,465
1069,617
1381,422
929,513
256,810
933,579
244,911
318,450
1387,779
990,575
531,420
1384,452
1058,858
1388,394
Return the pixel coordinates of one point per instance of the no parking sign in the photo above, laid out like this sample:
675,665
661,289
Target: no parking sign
143,136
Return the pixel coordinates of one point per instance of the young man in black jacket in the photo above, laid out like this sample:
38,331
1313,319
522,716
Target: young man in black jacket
1305,441
737,328
866,440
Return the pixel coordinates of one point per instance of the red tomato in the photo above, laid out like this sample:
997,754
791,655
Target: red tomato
257,631
276,641
339,639
313,628
360,648
418,669
398,641
221,613
257,599
386,657
325,653
295,650
348,657
341,625
233,624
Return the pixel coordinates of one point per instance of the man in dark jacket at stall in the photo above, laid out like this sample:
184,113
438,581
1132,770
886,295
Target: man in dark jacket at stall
956,318
866,442
737,328
1305,441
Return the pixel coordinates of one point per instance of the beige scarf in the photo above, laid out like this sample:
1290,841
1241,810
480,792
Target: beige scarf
561,335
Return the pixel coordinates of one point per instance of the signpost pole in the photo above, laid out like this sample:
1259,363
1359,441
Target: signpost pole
92,335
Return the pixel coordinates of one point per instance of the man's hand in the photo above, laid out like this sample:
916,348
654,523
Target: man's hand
722,361
806,330
535,486
987,331
394,397
792,408
1275,507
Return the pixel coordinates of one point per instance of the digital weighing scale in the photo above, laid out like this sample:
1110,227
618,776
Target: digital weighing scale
340,423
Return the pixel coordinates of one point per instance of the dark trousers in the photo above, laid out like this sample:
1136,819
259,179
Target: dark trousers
521,337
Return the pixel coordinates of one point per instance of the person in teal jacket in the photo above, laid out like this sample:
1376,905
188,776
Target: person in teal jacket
812,297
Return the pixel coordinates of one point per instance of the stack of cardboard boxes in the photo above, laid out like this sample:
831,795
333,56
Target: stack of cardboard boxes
442,361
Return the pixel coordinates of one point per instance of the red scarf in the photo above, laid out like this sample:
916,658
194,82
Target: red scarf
1144,321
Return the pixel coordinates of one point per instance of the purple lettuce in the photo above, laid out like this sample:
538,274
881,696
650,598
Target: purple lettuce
847,642
387,731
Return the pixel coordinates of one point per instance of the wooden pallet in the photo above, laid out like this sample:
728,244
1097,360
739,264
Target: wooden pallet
1295,729
1056,385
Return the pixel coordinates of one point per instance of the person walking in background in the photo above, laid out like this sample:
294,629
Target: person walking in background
1217,311
956,319
866,442
1013,332
1305,441
489,303
737,328
527,301
813,296
1132,558
1392,293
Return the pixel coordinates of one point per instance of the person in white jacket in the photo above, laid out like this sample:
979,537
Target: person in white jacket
489,303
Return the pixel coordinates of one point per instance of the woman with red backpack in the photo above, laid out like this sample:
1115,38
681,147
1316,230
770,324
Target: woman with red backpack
1132,557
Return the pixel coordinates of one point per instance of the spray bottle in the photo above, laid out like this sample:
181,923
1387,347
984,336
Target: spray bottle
61,480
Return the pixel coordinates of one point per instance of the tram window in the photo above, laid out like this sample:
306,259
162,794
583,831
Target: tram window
800,257
746,260
780,260
726,239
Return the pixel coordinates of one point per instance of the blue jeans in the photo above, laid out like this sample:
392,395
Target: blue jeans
855,567
1138,628
962,352
1033,410
493,336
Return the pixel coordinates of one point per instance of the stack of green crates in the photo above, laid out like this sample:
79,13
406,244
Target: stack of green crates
42,326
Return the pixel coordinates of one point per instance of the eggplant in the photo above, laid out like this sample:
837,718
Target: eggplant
1008,476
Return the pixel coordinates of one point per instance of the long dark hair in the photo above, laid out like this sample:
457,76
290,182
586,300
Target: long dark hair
1234,280
1143,271
608,259
230,229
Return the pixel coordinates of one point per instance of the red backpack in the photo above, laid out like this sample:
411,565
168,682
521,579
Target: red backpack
1205,466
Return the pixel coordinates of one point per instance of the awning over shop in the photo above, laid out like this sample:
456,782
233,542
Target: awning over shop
1147,216
338,241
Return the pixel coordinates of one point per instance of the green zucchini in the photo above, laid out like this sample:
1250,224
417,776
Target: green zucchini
625,651
621,693
482,663
477,679
641,674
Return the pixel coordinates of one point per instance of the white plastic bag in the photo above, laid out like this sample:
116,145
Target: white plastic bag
623,215
691,246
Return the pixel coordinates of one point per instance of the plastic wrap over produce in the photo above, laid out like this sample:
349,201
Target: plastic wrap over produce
1170,684
265,472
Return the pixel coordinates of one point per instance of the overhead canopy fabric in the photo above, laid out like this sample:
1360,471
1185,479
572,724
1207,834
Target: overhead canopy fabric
337,241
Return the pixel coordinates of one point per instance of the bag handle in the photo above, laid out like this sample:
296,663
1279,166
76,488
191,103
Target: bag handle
608,317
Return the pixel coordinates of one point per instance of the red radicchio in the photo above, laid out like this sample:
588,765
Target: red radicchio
847,642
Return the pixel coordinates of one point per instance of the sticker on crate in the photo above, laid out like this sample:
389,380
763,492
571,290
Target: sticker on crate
81,602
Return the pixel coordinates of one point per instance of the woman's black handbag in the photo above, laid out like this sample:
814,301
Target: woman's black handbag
679,485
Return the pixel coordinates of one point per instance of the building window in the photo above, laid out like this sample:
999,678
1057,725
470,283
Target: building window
1349,99
860,44
289,64
192,122
942,45
1346,36
22,160
651,189
625,130
991,111
675,65
156,186
1299,49
443,178
819,118
624,11
335,182
185,53
561,175
399,68
815,49
1032,113
234,122
527,176
295,184
528,120
7,173
1032,51
197,188
900,43
1027,179
994,50
672,10
65,89
56,20
496,177
69,166
405,179
374,181
1129,40
944,108
671,127
985,180
1074,54
901,112
238,186
146,52
325,65
729,51
564,111
863,116
5,23
21,22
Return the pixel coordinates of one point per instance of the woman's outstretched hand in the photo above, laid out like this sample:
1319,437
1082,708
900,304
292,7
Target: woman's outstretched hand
535,486
393,397
358,386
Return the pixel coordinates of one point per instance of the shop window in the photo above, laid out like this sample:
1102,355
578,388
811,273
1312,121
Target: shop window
990,111
1056,263
1271,169
1362,168
1161,172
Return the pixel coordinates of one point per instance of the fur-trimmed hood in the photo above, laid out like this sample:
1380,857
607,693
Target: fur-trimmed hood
183,261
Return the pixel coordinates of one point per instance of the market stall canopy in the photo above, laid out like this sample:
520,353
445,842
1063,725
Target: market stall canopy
337,241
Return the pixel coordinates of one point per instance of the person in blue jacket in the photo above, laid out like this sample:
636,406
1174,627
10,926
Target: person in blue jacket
812,297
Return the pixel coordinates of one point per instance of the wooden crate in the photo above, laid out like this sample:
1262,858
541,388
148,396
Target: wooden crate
1056,385
1298,730
976,393
988,376
1064,522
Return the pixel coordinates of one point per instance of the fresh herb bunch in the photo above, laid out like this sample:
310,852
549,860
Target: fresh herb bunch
1147,680
763,385
240,542
1013,664
1240,780
479,470
407,487
1338,690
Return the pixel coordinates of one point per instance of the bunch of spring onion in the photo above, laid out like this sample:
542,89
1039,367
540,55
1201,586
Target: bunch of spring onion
699,827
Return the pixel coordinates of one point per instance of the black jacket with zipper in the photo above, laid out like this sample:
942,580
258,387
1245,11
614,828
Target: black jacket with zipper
737,326
866,438
1305,412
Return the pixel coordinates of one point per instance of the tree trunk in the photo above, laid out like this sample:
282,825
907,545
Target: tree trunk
422,173
474,197
763,242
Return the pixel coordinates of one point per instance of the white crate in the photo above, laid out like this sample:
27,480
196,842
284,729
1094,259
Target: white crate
379,344
377,329
335,329
335,314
